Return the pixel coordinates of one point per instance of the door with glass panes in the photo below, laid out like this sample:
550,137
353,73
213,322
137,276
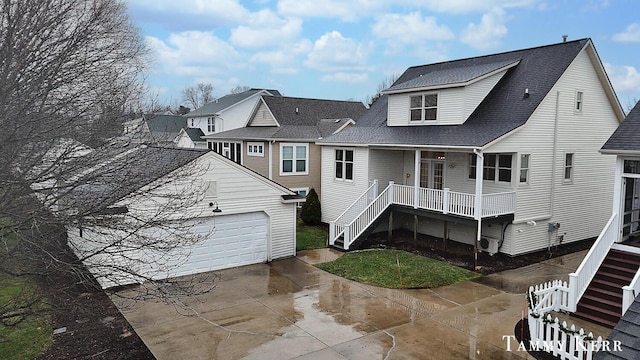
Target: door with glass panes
432,171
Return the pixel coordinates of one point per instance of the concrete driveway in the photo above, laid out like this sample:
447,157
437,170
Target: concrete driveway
288,309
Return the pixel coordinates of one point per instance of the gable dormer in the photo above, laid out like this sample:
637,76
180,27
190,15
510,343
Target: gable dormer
445,96
262,116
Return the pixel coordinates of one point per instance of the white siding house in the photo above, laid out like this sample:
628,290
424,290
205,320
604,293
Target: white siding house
227,216
502,150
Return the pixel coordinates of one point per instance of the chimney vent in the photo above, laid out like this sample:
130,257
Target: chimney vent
564,38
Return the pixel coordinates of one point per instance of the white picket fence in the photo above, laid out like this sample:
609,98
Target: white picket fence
549,334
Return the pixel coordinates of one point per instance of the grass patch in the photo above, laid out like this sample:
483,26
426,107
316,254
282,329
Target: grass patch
311,237
24,334
379,268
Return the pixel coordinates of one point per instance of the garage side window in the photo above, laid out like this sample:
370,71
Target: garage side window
344,164
293,159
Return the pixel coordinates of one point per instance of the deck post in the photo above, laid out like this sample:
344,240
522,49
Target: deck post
573,292
347,237
390,192
446,200
416,178
477,206
375,190
390,229
332,232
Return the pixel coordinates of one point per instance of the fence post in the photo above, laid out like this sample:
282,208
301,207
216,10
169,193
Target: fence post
445,201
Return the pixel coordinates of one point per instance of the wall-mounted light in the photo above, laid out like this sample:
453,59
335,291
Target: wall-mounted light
217,209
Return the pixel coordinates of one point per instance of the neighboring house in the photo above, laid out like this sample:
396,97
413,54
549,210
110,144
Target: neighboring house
238,216
500,151
156,129
228,112
605,287
191,138
279,138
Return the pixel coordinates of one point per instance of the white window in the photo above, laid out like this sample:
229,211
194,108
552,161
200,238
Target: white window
568,167
344,164
494,164
255,149
230,150
293,159
579,101
301,191
524,168
211,124
423,107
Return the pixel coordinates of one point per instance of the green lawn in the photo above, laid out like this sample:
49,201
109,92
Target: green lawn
22,335
310,237
380,268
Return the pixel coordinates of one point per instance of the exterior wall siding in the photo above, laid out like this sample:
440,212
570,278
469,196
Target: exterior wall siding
583,206
259,164
311,180
337,195
262,117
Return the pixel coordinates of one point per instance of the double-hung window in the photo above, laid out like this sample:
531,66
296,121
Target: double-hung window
524,168
423,107
496,167
579,102
211,124
568,167
344,164
293,159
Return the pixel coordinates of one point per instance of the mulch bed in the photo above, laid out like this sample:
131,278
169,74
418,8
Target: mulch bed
462,255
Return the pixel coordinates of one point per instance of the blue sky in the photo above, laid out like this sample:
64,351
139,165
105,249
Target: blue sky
335,49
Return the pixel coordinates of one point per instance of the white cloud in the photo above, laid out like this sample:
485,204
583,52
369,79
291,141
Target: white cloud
410,28
265,29
333,52
283,61
469,6
488,34
345,10
189,13
194,53
346,77
623,78
630,34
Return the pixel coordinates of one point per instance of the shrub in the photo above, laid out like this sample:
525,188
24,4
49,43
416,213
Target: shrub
311,212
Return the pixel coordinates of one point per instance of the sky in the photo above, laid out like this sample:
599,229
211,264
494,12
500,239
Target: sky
343,50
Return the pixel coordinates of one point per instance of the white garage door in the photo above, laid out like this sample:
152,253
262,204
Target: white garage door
239,239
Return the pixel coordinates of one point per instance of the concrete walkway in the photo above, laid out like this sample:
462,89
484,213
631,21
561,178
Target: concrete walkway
289,309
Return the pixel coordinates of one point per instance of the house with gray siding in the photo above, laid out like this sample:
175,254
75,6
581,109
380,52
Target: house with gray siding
499,151
279,138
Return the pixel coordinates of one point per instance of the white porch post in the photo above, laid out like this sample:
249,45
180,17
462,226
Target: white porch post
416,179
477,208
332,232
618,194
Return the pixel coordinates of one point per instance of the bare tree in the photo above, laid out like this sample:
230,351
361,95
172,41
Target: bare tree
239,89
70,71
198,95
384,84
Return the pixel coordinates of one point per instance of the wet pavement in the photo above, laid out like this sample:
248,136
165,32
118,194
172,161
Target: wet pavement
289,309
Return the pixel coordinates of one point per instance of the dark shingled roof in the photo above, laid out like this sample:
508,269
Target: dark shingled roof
226,101
299,118
195,134
626,138
627,332
504,109
166,127
123,171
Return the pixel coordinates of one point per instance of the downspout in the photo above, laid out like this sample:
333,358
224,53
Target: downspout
554,156
478,203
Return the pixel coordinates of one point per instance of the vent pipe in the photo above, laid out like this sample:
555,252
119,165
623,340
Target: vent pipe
564,38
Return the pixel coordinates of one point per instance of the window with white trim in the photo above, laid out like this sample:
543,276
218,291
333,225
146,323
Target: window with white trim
524,168
423,107
301,191
255,149
230,150
211,124
568,167
294,159
344,164
579,101
494,164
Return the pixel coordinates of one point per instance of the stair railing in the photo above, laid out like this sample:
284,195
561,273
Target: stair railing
368,215
629,292
580,279
336,227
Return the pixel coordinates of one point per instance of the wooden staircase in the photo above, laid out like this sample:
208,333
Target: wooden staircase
602,300
339,243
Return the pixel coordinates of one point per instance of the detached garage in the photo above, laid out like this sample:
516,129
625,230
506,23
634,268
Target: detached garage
192,211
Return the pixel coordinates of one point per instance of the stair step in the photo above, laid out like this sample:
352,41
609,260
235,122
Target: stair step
604,294
605,285
619,268
596,319
624,256
613,278
594,299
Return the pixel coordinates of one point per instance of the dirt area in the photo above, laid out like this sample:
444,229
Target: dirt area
93,326
462,255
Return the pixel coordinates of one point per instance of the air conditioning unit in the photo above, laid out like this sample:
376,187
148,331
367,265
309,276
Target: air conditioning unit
489,244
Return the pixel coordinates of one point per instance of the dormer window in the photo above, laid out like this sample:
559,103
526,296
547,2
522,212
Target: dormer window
424,107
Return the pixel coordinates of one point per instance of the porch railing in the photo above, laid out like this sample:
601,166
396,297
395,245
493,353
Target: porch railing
363,212
580,279
336,227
